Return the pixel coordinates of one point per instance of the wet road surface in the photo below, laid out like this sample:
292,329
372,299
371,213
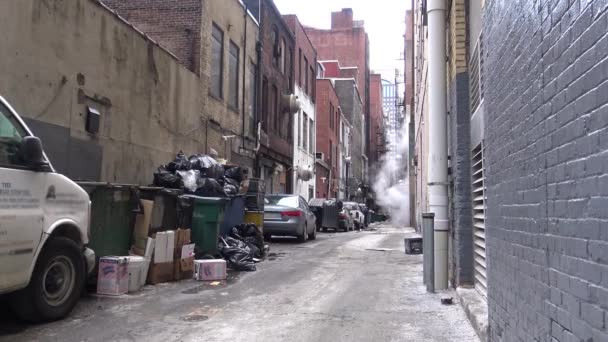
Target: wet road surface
355,286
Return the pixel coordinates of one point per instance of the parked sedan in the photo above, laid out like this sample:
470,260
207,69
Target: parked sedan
345,220
288,215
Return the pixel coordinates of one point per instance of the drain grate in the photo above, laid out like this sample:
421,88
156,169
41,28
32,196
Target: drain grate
194,318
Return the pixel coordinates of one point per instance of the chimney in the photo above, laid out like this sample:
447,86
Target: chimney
342,19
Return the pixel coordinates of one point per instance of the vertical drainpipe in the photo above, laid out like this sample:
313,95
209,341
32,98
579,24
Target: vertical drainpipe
438,146
244,77
258,106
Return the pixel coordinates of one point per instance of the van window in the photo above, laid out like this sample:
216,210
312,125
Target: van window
11,134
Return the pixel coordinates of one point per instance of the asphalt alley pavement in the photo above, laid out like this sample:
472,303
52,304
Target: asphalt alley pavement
355,286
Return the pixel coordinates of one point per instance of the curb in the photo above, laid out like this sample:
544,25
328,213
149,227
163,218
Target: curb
476,309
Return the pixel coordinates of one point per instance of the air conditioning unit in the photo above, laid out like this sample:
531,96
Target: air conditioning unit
320,155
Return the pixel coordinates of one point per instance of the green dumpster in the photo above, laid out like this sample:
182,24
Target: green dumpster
207,216
111,218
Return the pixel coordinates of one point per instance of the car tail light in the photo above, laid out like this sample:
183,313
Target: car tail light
342,216
294,213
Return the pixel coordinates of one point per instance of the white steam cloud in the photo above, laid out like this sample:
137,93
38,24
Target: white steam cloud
391,185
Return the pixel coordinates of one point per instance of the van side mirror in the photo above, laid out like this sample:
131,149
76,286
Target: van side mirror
32,153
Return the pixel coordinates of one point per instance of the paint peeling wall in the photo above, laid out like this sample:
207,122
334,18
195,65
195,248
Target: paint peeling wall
61,56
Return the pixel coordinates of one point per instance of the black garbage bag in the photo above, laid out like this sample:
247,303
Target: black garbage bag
230,190
166,179
237,254
250,235
208,187
234,172
180,163
215,171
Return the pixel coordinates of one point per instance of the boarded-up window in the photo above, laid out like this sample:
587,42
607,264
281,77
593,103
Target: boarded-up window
233,75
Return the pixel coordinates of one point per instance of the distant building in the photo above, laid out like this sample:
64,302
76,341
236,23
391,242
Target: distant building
347,43
328,139
377,137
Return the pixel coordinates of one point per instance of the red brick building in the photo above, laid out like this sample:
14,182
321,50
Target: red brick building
328,132
347,42
275,98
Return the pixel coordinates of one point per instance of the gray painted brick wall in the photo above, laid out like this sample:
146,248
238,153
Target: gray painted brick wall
546,136
461,214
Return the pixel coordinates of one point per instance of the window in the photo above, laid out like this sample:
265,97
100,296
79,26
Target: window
479,219
305,75
274,114
312,83
311,133
299,129
233,75
288,201
11,134
331,115
265,106
283,57
331,153
217,43
252,96
276,49
305,133
300,68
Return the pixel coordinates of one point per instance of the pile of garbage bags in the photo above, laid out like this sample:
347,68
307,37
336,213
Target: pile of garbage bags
242,246
200,175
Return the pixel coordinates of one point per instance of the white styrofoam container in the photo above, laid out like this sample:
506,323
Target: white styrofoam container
113,277
212,269
170,246
160,248
138,270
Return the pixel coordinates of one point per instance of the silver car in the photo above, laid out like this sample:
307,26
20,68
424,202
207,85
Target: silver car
288,215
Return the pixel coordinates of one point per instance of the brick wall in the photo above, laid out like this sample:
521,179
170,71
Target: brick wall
546,141
326,95
175,24
303,49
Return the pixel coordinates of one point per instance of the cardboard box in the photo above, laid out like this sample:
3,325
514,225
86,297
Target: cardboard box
170,246
160,273
138,270
212,269
160,248
113,276
183,255
142,226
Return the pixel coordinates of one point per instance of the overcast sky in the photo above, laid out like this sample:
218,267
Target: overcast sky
384,24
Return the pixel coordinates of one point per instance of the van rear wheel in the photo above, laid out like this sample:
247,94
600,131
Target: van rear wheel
56,283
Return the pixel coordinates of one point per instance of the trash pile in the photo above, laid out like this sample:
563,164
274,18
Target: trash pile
200,175
243,247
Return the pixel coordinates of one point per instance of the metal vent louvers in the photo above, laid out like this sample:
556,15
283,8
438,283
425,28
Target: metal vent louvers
479,219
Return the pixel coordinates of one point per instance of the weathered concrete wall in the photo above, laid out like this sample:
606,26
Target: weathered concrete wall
546,135
231,18
67,55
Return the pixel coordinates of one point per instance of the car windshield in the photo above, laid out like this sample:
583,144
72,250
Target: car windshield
287,201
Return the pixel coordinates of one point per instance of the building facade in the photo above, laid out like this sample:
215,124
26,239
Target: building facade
277,102
377,141
328,139
525,96
149,103
304,145
217,41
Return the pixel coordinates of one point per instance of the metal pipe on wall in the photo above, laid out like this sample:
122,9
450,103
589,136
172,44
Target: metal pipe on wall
438,146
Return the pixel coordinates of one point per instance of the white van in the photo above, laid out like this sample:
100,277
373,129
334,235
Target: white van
44,226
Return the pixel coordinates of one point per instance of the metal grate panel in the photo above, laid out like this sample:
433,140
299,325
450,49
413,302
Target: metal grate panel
479,218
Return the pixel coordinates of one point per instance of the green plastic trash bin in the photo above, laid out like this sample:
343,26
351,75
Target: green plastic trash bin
112,214
207,216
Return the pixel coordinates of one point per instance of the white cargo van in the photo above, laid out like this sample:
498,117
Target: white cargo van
44,225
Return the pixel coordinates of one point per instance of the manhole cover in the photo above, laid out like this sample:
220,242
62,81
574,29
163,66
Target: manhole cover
194,318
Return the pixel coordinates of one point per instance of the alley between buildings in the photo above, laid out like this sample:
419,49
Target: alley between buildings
342,287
